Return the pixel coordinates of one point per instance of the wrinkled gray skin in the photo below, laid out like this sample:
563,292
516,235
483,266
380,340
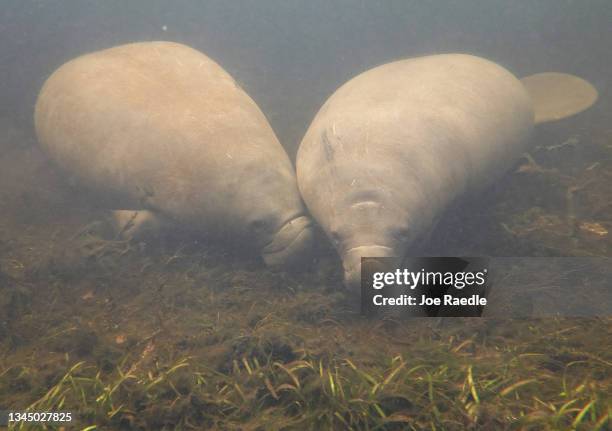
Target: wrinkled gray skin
164,130
396,145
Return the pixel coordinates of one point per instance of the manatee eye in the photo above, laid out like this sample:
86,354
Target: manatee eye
401,234
335,237
262,224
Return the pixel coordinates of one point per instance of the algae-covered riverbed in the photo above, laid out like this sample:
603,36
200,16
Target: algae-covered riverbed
178,333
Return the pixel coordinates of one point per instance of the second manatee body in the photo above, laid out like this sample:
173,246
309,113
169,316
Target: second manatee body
164,133
392,148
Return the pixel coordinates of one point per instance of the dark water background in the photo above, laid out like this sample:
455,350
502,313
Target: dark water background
290,55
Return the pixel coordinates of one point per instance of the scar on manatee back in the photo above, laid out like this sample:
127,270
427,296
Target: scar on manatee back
327,146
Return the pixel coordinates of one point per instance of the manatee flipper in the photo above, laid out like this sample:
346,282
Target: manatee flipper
558,95
135,224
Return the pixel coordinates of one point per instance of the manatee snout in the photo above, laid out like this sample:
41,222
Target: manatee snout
351,261
291,245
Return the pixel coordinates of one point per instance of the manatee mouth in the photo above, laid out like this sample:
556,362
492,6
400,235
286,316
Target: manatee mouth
291,245
351,262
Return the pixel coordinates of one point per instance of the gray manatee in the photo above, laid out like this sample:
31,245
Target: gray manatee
393,147
168,136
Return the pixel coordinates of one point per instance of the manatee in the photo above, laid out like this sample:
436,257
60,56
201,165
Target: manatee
166,135
393,147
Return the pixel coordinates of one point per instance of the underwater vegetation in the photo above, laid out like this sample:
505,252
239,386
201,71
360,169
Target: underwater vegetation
452,382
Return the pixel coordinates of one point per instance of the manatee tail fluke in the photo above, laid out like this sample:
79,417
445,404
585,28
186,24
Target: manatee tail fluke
558,95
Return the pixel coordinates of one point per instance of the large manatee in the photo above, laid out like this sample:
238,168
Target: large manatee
163,131
396,145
